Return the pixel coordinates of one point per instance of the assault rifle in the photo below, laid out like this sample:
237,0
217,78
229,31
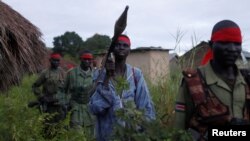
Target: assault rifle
42,103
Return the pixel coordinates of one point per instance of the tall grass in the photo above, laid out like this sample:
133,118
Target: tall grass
20,123
164,94
161,129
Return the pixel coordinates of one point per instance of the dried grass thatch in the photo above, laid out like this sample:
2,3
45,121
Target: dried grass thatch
21,47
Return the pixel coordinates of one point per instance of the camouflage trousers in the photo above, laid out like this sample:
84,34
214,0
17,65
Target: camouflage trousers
81,118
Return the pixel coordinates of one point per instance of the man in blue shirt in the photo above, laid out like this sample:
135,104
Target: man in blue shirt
107,99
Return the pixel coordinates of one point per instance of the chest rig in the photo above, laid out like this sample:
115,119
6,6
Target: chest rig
209,110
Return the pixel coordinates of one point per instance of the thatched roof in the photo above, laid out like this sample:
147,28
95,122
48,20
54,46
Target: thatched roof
151,48
193,57
21,47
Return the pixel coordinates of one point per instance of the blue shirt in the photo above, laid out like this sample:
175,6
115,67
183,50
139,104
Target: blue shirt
104,102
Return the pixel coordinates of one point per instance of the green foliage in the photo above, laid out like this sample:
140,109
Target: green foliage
20,123
16,118
164,94
97,43
71,44
138,128
120,84
70,58
68,43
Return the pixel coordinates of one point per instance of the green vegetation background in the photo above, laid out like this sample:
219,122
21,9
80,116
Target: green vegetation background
18,122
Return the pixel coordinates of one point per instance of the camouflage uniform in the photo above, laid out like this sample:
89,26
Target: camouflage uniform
52,96
78,85
233,97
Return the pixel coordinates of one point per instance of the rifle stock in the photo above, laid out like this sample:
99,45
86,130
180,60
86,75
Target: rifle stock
42,101
32,104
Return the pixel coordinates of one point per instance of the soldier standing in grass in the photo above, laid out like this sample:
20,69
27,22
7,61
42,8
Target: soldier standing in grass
216,93
107,99
51,98
78,84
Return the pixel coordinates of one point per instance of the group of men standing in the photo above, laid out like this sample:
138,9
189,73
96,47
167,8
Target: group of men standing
66,91
89,95
216,93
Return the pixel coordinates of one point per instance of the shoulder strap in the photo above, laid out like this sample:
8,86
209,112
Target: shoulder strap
246,74
135,81
195,85
246,114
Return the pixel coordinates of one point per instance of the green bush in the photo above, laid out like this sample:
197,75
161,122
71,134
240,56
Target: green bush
21,123
138,128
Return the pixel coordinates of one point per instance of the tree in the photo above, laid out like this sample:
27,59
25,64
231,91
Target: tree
68,43
97,43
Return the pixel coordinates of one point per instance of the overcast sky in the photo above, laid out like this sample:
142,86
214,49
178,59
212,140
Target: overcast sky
150,22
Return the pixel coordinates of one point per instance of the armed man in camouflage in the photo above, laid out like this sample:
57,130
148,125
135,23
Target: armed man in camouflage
78,84
51,98
216,93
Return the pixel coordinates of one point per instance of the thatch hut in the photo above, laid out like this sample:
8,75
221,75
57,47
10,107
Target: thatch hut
193,57
21,47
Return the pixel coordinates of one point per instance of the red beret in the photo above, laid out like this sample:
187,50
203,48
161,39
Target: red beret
86,56
55,56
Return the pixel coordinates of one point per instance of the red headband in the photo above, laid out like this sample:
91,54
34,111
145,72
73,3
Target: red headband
124,39
231,34
207,57
86,56
55,56
70,66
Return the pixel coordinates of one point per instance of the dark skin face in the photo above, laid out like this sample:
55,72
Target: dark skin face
225,56
54,63
85,63
121,51
226,53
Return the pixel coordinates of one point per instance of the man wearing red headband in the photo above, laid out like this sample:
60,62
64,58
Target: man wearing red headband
109,98
78,84
214,94
51,98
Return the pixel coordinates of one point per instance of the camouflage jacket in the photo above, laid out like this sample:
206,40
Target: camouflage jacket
234,98
52,82
78,85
